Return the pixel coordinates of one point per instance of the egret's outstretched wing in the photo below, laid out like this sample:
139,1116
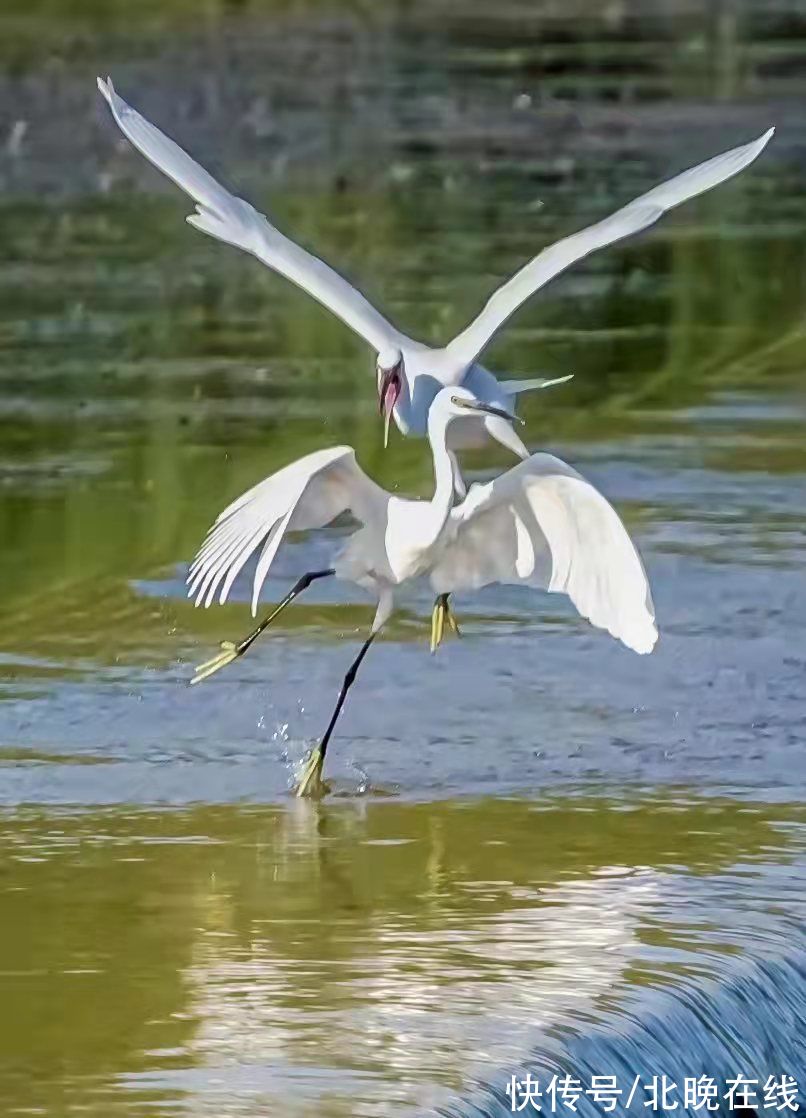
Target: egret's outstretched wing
233,220
543,524
307,494
632,218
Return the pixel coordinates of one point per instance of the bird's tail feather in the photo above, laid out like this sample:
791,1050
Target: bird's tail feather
515,387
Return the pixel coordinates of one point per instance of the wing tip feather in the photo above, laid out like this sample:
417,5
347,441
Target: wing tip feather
750,152
645,647
643,640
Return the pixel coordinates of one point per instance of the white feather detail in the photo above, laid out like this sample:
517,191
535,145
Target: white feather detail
541,523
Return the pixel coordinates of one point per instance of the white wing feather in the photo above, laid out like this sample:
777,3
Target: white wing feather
234,221
516,387
308,493
544,525
632,218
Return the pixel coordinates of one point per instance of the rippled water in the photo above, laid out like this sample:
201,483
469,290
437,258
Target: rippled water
542,853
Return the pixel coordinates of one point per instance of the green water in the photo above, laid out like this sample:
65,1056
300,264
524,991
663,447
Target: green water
347,959
525,830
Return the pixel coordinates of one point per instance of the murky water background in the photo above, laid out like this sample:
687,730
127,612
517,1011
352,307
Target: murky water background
543,852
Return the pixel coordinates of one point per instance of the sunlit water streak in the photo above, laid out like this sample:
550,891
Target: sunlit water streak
749,1024
541,852
720,1013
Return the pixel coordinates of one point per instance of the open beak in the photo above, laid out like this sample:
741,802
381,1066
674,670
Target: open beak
388,392
477,405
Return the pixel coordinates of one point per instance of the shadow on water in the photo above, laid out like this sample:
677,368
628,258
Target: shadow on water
567,858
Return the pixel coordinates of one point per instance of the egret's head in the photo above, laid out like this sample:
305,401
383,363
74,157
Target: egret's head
390,385
461,401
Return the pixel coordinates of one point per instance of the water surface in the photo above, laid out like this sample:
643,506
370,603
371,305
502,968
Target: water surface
541,851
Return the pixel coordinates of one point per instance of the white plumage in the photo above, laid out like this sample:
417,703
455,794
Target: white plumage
308,493
540,524
632,218
410,373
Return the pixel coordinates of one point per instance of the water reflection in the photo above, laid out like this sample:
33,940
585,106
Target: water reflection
383,954
423,1006
137,397
359,959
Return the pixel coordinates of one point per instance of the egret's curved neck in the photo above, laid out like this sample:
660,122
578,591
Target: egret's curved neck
442,501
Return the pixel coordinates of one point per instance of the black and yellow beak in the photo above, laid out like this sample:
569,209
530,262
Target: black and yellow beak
489,409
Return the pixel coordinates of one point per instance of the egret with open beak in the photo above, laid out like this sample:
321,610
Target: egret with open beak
410,372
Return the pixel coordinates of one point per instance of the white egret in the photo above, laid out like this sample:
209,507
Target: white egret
539,524
409,373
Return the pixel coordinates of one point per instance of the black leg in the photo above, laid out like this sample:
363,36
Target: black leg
349,680
312,776
295,590
231,651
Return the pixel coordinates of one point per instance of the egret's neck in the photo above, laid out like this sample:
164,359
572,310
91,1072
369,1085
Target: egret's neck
442,501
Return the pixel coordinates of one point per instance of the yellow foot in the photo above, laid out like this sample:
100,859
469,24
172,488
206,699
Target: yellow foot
454,624
229,652
442,613
437,624
311,783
